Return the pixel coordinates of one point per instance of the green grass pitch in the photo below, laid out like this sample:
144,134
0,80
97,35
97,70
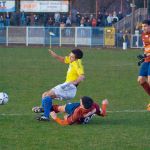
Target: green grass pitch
25,73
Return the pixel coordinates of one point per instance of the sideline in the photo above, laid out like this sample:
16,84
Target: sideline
117,111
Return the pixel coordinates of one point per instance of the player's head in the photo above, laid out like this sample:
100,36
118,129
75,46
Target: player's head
78,53
86,102
146,26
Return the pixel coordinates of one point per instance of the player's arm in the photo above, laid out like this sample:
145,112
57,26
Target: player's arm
59,58
79,79
62,122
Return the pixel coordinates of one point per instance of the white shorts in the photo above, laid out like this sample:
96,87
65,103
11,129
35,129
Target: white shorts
65,91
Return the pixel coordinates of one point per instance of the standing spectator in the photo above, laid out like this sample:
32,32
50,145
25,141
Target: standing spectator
36,19
114,18
78,19
74,13
120,15
109,19
7,19
57,17
91,17
63,18
100,19
50,22
1,22
94,22
87,23
105,19
68,24
28,21
23,19
82,21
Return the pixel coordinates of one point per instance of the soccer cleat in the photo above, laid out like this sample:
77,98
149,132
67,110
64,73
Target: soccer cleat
148,107
104,106
37,109
42,118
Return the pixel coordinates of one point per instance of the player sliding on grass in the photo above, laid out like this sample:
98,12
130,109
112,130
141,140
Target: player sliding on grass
80,112
66,90
144,74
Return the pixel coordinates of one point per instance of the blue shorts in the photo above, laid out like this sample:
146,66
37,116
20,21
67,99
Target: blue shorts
145,69
70,107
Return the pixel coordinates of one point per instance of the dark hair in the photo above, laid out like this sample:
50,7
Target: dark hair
78,53
87,102
146,22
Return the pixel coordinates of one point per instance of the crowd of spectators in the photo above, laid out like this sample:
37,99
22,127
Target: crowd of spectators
59,19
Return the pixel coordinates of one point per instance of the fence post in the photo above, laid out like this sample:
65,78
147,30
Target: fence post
7,36
27,36
90,37
60,37
76,36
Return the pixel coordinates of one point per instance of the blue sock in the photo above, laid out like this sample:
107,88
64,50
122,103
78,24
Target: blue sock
47,105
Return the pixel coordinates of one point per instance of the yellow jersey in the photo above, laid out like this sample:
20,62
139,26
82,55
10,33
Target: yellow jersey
75,69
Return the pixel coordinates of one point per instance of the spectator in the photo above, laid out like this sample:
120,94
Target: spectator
36,19
7,20
114,18
68,21
1,22
50,22
28,21
109,19
94,22
82,22
57,17
68,24
87,23
100,19
78,19
63,19
120,15
23,19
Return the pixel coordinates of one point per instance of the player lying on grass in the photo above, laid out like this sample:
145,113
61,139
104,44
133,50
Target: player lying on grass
68,89
80,112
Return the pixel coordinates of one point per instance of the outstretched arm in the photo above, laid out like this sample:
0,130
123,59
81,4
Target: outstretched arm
59,58
62,122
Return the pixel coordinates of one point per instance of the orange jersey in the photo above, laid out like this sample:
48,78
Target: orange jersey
146,44
80,113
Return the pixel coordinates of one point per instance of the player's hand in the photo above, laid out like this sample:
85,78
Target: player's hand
66,116
53,115
52,53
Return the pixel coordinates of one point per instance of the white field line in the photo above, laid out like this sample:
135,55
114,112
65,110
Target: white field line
127,111
116,111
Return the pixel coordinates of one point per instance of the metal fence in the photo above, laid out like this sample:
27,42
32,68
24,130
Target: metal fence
126,23
76,36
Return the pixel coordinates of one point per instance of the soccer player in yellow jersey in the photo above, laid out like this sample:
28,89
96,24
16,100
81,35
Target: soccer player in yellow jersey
67,90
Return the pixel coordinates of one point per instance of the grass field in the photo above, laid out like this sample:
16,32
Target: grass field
25,73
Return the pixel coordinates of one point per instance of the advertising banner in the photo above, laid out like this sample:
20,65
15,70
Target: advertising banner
109,36
44,6
7,6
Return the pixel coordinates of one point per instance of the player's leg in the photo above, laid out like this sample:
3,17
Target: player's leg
142,78
49,93
47,105
58,108
64,91
148,106
104,107
40,109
